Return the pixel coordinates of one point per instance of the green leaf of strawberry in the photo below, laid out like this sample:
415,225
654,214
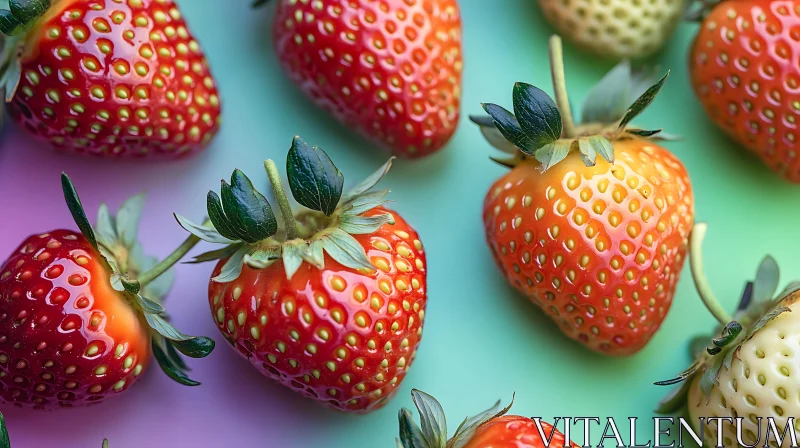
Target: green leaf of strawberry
508,125
767,280
642,102
432,417
367,184
552,153
248,212
196,347
315,181
602,146
205,233
4,440
410,434
233,267
127,219
493,135
537,114
76,208
168,366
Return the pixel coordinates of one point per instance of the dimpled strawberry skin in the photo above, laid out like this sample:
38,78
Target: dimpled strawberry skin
512,431
744,71
117,78
336,335
390,69
600,248
66,337
615,29
762,381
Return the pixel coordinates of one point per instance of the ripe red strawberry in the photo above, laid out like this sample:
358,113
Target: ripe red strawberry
332,306
111,78
742,71
76,326
491,428
598,244
391,69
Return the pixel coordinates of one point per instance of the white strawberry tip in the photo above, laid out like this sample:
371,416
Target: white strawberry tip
242,220
432,433
758,306
544,129
140,279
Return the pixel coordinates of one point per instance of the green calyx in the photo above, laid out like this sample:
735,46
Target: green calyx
544,129
139,278
242,219
21,16
15,23
432,431
758,306
5,442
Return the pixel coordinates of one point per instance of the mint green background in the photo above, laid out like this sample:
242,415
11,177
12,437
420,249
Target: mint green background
482,341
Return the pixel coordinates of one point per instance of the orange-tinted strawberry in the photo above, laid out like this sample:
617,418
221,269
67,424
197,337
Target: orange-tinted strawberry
76,326
489,429
597,243
333,305
391,69
77,341
744,72
112,78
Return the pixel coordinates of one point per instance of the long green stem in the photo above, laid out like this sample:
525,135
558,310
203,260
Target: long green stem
700,281
283,200
560,85
165,264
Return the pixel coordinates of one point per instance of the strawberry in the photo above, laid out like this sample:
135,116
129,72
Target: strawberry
597,243
391,70
491,428
750,369
111,78
615,29
332,305
80,312
741,71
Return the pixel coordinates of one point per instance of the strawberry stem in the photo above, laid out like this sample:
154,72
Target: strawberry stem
283,200
700,281
165,264
560,85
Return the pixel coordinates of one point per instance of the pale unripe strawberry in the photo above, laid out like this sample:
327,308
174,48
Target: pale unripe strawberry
762,381
615,29
751,370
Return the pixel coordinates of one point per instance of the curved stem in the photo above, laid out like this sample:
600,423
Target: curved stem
165,264
700,281
283,200
560,85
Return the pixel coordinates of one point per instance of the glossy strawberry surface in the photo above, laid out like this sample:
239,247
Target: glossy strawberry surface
599,248
117,78
66,337
744,70
337,335
513,431
390,69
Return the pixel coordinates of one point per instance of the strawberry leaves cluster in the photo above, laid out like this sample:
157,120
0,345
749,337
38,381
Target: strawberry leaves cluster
537,127
432,431
758,306
141,279
242,219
